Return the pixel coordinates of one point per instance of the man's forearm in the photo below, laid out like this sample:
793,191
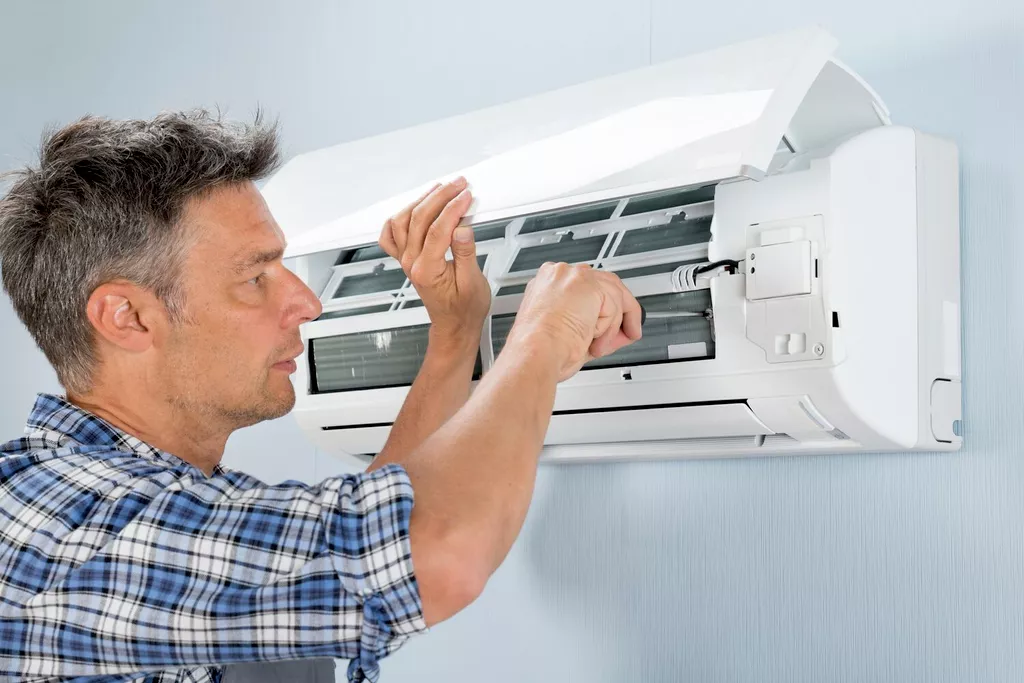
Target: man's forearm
439,391
474,477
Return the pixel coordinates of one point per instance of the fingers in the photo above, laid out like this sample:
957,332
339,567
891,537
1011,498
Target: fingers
632,315
464,251
608,330
387,240
583,313
398,226
404,234
439,236
426,213
619,320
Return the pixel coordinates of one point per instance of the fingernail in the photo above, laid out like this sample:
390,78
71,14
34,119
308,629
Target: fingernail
459,182
463,235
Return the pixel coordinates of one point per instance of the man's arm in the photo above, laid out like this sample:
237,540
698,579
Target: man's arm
473,465
474,480
474,477
456,296
440,389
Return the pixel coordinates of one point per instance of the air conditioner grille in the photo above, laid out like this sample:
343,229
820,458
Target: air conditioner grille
370,360
676,233
659,201
377,281
568,250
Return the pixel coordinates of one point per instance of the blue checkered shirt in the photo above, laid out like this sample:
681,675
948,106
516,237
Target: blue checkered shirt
121,562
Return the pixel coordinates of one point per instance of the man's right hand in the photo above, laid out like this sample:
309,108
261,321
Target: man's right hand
575,314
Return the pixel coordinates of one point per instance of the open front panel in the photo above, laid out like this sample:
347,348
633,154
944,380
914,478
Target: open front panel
699,119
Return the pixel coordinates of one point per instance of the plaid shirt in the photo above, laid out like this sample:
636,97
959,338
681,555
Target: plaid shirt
120,562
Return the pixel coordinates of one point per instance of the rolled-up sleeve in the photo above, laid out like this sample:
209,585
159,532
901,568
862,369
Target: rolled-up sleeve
368,538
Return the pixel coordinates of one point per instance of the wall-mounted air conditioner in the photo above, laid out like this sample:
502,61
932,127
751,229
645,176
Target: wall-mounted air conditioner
797,254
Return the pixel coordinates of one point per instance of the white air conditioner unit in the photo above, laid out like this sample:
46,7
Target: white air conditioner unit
837,329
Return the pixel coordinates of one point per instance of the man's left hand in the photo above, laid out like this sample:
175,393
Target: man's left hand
455,293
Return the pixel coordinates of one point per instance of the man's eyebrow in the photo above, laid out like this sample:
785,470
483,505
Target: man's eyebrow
253,259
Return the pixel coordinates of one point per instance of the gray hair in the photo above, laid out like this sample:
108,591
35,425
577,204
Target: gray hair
105,204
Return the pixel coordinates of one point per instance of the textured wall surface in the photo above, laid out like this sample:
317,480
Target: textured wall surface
853,568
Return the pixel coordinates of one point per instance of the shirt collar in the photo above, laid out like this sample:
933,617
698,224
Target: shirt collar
58,423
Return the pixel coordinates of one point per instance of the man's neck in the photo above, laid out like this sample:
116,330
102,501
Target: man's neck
158,424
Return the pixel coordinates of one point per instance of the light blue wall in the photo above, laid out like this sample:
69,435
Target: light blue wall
860,568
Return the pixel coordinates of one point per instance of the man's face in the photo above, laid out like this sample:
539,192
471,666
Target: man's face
232,358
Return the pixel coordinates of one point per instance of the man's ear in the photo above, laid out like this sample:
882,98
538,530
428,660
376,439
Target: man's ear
124,314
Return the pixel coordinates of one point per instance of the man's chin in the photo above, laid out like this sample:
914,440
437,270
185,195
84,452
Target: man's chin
281,404
274,405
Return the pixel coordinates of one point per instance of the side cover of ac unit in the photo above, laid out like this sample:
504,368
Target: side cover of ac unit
798,256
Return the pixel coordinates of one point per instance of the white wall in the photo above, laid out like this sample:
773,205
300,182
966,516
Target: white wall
854,568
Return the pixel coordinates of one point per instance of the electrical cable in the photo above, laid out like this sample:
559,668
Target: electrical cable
729,263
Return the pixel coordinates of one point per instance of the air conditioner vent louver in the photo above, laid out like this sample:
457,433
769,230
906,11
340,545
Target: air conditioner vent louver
721,446
716,447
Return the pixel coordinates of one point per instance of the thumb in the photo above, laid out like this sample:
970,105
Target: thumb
464,249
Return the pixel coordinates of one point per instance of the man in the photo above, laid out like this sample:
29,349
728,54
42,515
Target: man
145,264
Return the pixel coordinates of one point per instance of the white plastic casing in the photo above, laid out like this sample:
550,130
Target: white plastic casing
840,332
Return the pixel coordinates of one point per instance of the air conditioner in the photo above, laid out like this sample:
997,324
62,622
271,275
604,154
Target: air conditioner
831,322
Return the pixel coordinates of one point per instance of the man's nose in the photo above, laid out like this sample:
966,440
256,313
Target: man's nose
304,304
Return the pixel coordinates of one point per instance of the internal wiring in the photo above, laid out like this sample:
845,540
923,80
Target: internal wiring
729,264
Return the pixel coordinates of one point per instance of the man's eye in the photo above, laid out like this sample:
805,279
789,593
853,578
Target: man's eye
256,280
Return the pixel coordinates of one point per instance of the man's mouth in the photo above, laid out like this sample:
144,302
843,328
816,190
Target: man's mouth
289,364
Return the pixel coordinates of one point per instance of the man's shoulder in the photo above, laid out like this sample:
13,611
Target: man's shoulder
27,459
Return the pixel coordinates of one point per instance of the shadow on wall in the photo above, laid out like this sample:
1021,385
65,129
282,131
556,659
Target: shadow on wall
859,567
25,373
